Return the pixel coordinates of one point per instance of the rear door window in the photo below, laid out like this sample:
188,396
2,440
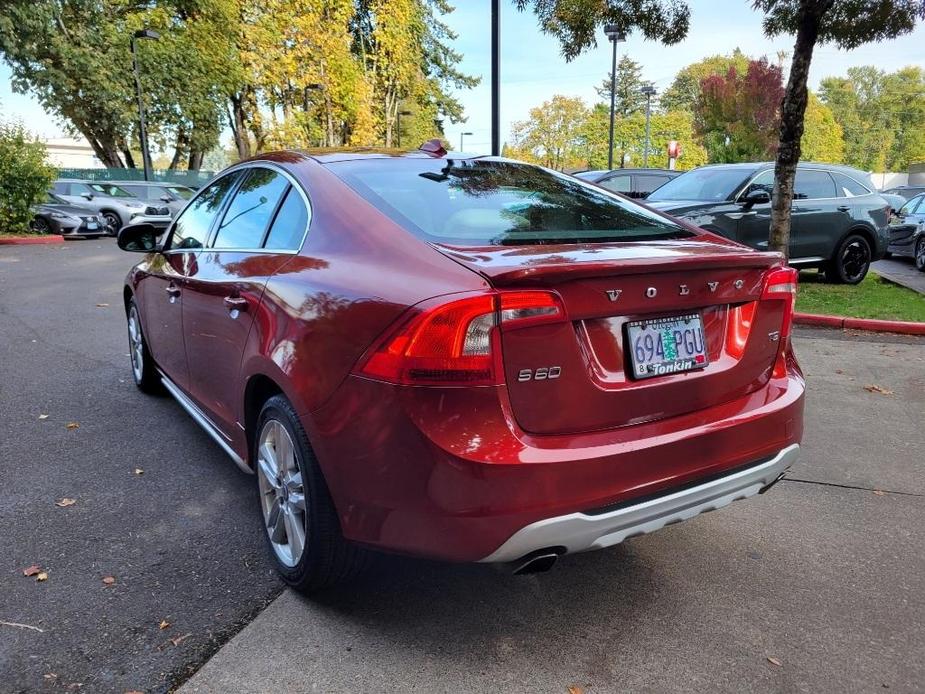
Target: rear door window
290,224
251,210
191,230
646,184
811,184
911,207
848,187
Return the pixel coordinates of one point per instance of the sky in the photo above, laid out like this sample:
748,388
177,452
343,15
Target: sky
532,67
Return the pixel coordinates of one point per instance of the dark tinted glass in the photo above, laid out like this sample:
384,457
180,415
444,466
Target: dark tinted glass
192,227
289,226
707,184
646,183
810,185
847,186
911,207
250,211
486,203
60,188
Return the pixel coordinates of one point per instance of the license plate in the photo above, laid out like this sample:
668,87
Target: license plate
662,346
92,225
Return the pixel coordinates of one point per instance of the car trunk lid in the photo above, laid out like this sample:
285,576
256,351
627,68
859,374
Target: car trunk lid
603,288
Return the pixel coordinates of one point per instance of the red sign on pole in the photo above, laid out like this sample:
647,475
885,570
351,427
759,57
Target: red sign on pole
674,149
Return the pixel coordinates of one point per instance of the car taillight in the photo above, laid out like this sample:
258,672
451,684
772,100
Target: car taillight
454,342
780,284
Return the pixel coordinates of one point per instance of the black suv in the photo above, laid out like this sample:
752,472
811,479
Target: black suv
838,224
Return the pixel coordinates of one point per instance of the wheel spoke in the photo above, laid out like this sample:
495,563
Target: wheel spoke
295,533
297,500
284,454
276,523
268,470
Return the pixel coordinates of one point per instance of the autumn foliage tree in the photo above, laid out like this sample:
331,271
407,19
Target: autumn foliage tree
736,114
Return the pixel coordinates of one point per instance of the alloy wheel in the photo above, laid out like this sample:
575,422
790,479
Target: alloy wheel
40,226
920,254
282,492
855,258
136,344
113,222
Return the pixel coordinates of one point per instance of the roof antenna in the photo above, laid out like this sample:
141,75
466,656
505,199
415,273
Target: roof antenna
434,147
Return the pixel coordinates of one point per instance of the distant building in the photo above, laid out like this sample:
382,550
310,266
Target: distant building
917,174
71,153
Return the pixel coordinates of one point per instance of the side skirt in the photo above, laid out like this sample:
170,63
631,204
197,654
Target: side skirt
203,421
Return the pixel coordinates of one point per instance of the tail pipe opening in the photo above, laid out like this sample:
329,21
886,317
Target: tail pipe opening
537,562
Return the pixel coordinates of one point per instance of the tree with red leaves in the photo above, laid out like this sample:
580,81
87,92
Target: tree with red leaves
737,114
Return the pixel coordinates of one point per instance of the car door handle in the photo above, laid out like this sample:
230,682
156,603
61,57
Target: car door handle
235,303
844,208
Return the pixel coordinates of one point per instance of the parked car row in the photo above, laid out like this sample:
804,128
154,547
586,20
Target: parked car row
839,222
83,208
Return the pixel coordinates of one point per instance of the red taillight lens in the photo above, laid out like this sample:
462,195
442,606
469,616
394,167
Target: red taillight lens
452,343
780,284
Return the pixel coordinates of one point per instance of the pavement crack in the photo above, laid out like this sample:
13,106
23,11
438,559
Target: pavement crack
851,486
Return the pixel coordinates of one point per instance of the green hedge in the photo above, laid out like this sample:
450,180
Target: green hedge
25,176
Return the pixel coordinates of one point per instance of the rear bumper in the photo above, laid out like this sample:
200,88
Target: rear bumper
578,532
446,473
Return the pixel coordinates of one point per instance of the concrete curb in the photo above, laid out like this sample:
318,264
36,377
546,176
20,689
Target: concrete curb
32,240
874,325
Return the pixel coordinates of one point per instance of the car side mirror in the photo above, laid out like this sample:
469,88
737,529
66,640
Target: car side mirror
138,238
756,196
166,198
88,196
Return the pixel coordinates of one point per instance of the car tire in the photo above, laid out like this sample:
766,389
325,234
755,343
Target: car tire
40,225
301,523
112,221
851,261
920,254
144,372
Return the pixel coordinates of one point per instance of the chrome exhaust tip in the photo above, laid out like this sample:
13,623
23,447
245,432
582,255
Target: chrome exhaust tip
536,562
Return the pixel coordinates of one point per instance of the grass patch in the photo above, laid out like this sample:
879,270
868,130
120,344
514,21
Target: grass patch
875,297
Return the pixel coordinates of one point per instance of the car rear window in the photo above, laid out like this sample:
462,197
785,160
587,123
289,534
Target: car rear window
708,184
487,202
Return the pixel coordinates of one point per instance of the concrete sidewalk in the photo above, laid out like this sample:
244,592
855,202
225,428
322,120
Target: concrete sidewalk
816,586
901,271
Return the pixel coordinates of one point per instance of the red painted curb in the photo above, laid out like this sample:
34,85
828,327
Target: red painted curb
872,324
32,240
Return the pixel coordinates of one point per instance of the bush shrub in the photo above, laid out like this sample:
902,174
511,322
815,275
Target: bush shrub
25,176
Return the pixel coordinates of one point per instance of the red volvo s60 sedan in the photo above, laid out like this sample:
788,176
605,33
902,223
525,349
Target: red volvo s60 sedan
463,358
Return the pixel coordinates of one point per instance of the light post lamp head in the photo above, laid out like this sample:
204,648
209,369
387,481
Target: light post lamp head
614,33
146,34
649,91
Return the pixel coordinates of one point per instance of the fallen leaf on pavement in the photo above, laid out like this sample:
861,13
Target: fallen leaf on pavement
575,689
102,305
177,640
879,492
72,425
109,580
50,676
43,416
164,624
139,471
41,576
134,691
774,661
873,388
65,502
839,371
31,570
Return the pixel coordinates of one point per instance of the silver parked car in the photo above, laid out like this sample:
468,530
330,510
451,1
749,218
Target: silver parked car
173,195
117,206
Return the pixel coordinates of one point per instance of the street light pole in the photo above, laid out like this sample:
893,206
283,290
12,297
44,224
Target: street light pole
142,128
495,78
615,35
461,136
649,91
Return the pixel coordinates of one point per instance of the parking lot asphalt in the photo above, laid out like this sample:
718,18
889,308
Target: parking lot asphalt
817,586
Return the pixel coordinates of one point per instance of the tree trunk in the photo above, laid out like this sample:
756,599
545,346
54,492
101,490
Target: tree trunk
129,159
178,151
793,109
238,122
195,160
